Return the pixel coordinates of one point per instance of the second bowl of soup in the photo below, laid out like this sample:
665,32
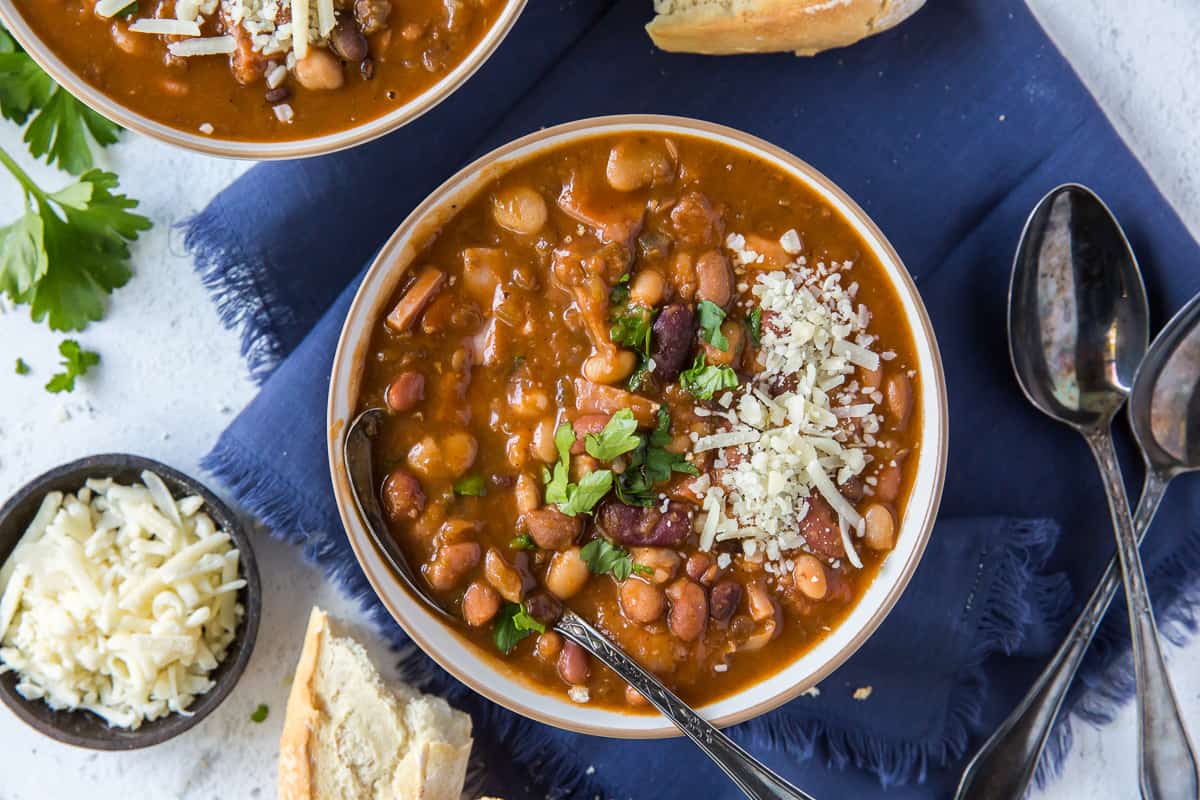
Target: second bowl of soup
660,373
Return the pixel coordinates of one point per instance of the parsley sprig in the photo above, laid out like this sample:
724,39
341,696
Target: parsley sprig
512,625
602,557
651,464
573,498
711,316
632,326
76,363
704,380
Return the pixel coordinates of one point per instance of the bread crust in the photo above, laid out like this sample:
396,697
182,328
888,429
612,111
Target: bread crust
805,27
295,772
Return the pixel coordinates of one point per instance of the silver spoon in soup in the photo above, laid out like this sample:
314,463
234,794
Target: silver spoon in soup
751,776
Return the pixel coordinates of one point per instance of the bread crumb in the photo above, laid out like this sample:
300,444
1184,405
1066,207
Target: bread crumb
863,692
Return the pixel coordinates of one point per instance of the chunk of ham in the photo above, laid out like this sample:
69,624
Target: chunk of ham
595,398
616,219
428,283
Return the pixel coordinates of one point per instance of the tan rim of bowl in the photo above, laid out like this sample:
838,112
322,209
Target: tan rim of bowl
102,104
510,691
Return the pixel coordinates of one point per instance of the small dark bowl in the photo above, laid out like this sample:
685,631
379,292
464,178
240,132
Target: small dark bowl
83,728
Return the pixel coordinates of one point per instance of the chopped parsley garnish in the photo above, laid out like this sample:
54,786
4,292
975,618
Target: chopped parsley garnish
22,367
76,362
59,125
754,326
512,625
637,379
523,542
471,486
711,317
260,713
602,558
619,295
573,498
643,569
618,437
651,464
705,380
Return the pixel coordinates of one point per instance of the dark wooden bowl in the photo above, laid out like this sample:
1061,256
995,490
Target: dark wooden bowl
83,728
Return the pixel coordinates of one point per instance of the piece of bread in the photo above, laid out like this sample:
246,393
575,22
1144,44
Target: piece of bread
347,736
806,27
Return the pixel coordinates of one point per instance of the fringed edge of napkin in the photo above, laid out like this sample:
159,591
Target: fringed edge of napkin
233,279
1019,593
1106,680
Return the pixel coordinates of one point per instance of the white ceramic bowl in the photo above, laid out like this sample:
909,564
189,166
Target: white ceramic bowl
259,151
459,657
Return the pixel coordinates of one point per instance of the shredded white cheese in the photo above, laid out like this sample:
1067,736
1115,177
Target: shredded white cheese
207,46
165,27
119,600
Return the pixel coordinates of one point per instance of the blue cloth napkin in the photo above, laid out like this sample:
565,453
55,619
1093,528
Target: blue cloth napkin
947,130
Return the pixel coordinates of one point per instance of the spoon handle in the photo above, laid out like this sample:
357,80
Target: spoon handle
1167,763
1004,766
751,776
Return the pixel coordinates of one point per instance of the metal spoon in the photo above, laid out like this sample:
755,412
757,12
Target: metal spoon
1077,328
751,776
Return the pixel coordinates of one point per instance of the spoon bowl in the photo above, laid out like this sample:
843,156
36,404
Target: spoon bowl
1078,319
1164,407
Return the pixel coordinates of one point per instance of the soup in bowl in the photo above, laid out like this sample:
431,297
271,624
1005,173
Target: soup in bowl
662,374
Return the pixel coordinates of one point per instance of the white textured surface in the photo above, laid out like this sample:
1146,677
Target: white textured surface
171,379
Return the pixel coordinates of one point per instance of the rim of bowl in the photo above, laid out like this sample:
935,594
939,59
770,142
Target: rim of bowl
507,688
241,648
323,144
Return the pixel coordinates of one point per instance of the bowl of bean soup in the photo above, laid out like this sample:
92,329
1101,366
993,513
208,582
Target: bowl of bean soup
661,373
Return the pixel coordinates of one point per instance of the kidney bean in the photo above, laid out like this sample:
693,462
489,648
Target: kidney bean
724,600
689,609
672,337
663,561
450,564
405,391
551,529
403,498
673,527
573,666
544,608
898,398
820,528
503,576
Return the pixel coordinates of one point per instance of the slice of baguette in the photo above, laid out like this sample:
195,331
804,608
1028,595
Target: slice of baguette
347,736
722,27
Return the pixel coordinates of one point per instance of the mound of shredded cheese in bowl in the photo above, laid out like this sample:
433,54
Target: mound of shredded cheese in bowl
119,600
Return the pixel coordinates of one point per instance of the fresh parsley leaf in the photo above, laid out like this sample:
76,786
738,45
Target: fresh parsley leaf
637,379
22,367
59,125
619,436
556,481
512,625
705,380
711,317
523,542
650,465
619,295
643,569
260,713
754,326
603,557
631,328
69,249
76,362
582,497
471,486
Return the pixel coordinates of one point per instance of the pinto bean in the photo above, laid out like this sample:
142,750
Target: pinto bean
573,666
634,164
319,70
880,533
520,209
671,341
448,457
405,391
724,599
450,565
663,561
648,288
480,603
808,575
641,602
567,574
898,398
698,564
503,576
887,483
551,529
689,609
403,498
348,41
715,278
696,222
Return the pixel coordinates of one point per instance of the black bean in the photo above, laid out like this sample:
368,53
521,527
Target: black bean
278,94
347,41
672,338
